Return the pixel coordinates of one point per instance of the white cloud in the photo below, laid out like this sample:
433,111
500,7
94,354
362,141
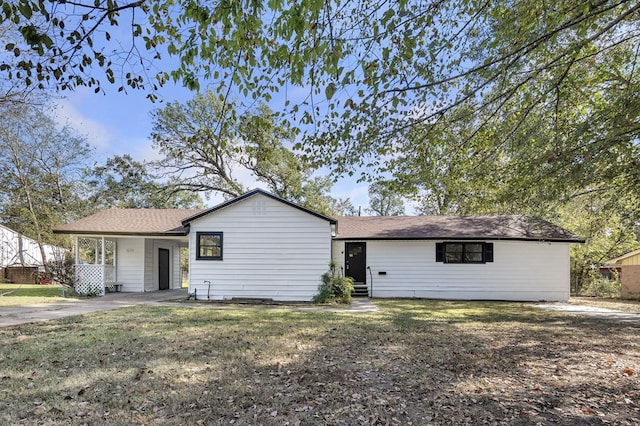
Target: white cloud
98,135
246,178
360,193
140,149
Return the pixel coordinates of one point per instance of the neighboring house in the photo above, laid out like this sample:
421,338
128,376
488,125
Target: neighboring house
264,247
626,269
16,249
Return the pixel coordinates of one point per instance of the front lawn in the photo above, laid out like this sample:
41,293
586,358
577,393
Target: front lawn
416,362
29,294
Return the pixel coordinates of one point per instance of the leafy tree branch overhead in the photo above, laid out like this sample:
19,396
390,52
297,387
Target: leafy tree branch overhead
470,106
372,70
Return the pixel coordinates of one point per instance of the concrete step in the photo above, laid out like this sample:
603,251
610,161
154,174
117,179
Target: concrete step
360,290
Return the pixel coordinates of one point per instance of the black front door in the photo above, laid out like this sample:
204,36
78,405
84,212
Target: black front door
163,269
355,261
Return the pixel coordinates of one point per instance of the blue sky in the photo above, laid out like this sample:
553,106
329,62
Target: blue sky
120,123
117,123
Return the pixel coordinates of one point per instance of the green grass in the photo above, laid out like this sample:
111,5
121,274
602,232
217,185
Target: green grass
415,362
29,294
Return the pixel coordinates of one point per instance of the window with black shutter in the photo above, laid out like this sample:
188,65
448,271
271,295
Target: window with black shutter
464,252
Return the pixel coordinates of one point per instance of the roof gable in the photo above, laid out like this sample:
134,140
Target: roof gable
451,227
247,195
624,256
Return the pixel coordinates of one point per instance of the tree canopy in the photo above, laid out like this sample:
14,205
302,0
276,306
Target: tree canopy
123,182
208,146
39,168
384,201
370,71
546,90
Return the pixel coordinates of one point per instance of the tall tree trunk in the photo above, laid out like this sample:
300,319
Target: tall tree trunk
20,249
25,183
38,229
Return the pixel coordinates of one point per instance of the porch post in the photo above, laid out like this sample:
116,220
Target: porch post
102,252
77,250
77,256
104,267
115,259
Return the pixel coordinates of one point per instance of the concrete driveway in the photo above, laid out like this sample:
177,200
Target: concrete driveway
16,315
592,311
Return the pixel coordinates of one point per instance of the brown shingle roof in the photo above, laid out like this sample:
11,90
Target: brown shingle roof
130,222
451,227
169,222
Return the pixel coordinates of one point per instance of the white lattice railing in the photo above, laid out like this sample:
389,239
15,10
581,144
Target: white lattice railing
91,279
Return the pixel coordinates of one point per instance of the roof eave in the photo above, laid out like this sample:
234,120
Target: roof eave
624,256
123,233
542,240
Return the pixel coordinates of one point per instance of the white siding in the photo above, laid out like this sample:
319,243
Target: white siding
270,250
129,263
176,276
148,266
527,271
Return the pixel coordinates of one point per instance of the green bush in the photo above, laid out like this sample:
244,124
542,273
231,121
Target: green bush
599,286
334,288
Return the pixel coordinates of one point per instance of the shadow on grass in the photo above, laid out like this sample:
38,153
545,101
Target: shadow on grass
29,290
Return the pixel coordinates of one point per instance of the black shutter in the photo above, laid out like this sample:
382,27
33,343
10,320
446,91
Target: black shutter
439,252
488,252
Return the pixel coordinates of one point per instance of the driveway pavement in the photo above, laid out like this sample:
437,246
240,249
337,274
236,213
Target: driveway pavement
592,311
17,315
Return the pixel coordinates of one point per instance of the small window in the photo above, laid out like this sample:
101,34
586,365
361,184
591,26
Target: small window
473,253
464,252
453,253
209,245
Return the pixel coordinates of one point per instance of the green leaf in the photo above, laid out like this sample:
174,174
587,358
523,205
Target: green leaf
25,9
46,40
7,10
330,90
